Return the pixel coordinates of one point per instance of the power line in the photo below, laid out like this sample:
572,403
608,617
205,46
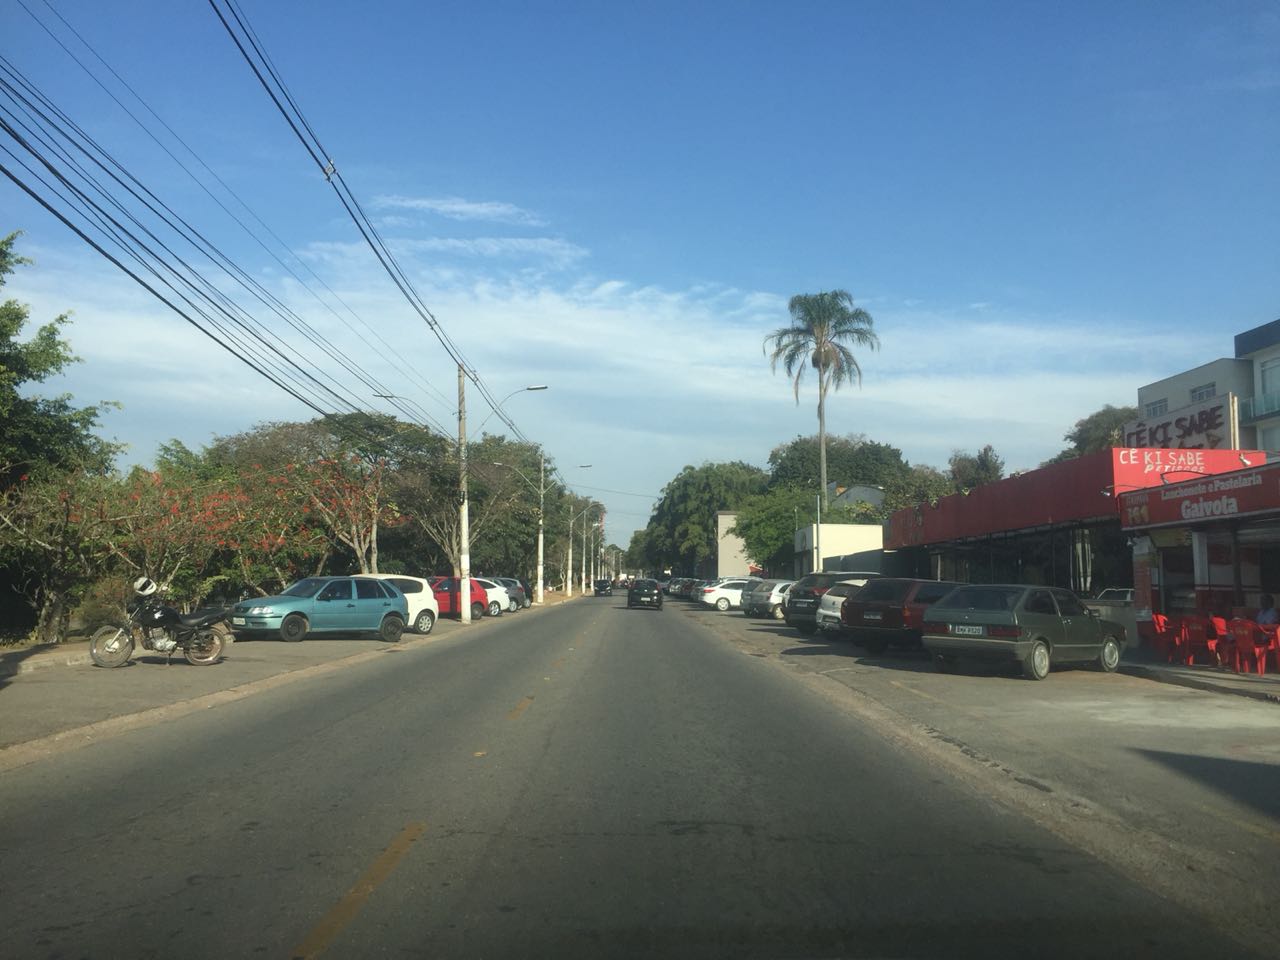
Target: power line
388,354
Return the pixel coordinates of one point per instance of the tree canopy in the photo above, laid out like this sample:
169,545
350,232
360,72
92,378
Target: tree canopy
682,529
1100,430
851,459
969,470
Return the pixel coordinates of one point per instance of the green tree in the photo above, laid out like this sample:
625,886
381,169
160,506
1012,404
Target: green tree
969,470
1100,430
823,326
850,459
40,434
921,484
682,530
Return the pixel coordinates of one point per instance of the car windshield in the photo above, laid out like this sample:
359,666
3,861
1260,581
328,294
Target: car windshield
305,588
890,591
982,598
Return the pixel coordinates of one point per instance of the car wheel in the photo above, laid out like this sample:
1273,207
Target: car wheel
477,610
1036,664
1109,655
424,621
391,629
777,613
513,607
722,604
527,603
293,628
495,608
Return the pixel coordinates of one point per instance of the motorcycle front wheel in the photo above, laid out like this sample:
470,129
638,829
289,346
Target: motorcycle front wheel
111,646
205,648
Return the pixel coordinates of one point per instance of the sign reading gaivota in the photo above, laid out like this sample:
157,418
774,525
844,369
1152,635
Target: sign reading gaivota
1241,493
1210,425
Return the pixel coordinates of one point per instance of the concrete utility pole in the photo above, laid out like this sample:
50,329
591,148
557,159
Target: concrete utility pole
542,495
464,517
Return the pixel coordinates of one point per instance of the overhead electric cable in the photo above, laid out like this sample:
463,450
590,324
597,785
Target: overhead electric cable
389,356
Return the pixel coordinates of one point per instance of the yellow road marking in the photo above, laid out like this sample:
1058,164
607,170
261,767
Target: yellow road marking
345,910
480,753
519,708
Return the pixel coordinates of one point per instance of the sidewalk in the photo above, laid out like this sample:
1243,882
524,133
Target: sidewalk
1203,677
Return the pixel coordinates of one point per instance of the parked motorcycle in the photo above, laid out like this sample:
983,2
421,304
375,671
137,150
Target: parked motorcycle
163,629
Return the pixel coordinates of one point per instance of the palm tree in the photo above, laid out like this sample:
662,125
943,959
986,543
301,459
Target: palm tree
822,327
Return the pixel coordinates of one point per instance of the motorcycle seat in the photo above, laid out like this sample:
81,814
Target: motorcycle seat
205,619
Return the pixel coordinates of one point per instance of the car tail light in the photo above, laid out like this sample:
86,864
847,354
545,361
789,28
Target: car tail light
1003,631
934,627
708,589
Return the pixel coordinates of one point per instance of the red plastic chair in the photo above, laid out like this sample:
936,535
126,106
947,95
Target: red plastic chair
1223,646
1250,642
1166,635
1195,629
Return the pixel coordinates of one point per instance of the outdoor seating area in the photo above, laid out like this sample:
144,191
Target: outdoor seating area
1239,643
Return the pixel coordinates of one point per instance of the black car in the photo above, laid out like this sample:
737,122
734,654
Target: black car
644,593
604,588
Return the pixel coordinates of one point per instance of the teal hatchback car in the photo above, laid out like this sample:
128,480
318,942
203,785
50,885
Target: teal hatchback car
325,605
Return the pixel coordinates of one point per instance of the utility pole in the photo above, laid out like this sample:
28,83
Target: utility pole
464,517
584,550
542,493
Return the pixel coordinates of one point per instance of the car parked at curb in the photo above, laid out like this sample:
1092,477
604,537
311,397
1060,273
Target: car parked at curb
1034,626
765,599
499,599
355,604
801,610
446,591
828,615
644,593
421,598
726,594
890,611
515,591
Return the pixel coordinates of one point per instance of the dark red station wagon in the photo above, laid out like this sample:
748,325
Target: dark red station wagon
890,611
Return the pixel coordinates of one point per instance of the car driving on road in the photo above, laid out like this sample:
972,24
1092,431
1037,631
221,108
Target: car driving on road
644,593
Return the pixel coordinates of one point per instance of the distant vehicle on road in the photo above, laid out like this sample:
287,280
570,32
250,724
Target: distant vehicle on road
1030,625
325,605
603,588
644,593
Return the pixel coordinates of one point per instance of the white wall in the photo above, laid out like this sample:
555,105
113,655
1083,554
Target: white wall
835,539
731,552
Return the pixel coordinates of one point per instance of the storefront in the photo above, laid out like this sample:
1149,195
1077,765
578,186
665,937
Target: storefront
1208,544
1058,525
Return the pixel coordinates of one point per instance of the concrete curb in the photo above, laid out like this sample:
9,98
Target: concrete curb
15,664
1194,683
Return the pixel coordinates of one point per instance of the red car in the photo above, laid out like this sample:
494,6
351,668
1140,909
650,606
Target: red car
446,590
890,611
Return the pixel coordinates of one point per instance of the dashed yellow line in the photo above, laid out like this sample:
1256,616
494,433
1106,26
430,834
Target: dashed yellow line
345,910
519,708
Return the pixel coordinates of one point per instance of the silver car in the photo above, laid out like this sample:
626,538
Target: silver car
1034,626
766,598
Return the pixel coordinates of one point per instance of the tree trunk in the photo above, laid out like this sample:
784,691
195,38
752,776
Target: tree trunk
822,435
52,620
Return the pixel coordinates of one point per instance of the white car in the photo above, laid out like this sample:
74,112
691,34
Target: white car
727,593
423,609
499,599
828,615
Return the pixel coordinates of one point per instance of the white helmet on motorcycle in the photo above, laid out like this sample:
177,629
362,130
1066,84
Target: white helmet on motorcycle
144,586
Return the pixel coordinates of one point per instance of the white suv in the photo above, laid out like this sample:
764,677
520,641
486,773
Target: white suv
423,609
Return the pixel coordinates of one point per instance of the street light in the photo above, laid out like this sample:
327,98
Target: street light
541,489
498,406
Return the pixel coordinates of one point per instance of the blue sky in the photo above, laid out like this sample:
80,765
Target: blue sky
1043,206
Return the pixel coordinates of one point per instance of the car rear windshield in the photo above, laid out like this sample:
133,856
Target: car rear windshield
889,591
933,592
982,598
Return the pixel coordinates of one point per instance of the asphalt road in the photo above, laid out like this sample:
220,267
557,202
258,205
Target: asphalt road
584,782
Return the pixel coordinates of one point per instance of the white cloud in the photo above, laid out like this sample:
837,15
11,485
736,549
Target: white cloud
457,208
559,252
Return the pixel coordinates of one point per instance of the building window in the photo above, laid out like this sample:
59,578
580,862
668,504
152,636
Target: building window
1205,392
1159,408
1270,370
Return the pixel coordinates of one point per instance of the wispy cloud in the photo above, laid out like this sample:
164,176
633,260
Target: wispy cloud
559,252
458,208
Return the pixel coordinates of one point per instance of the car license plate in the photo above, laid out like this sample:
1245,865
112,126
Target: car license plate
237,621
966,630
802,603
872,615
